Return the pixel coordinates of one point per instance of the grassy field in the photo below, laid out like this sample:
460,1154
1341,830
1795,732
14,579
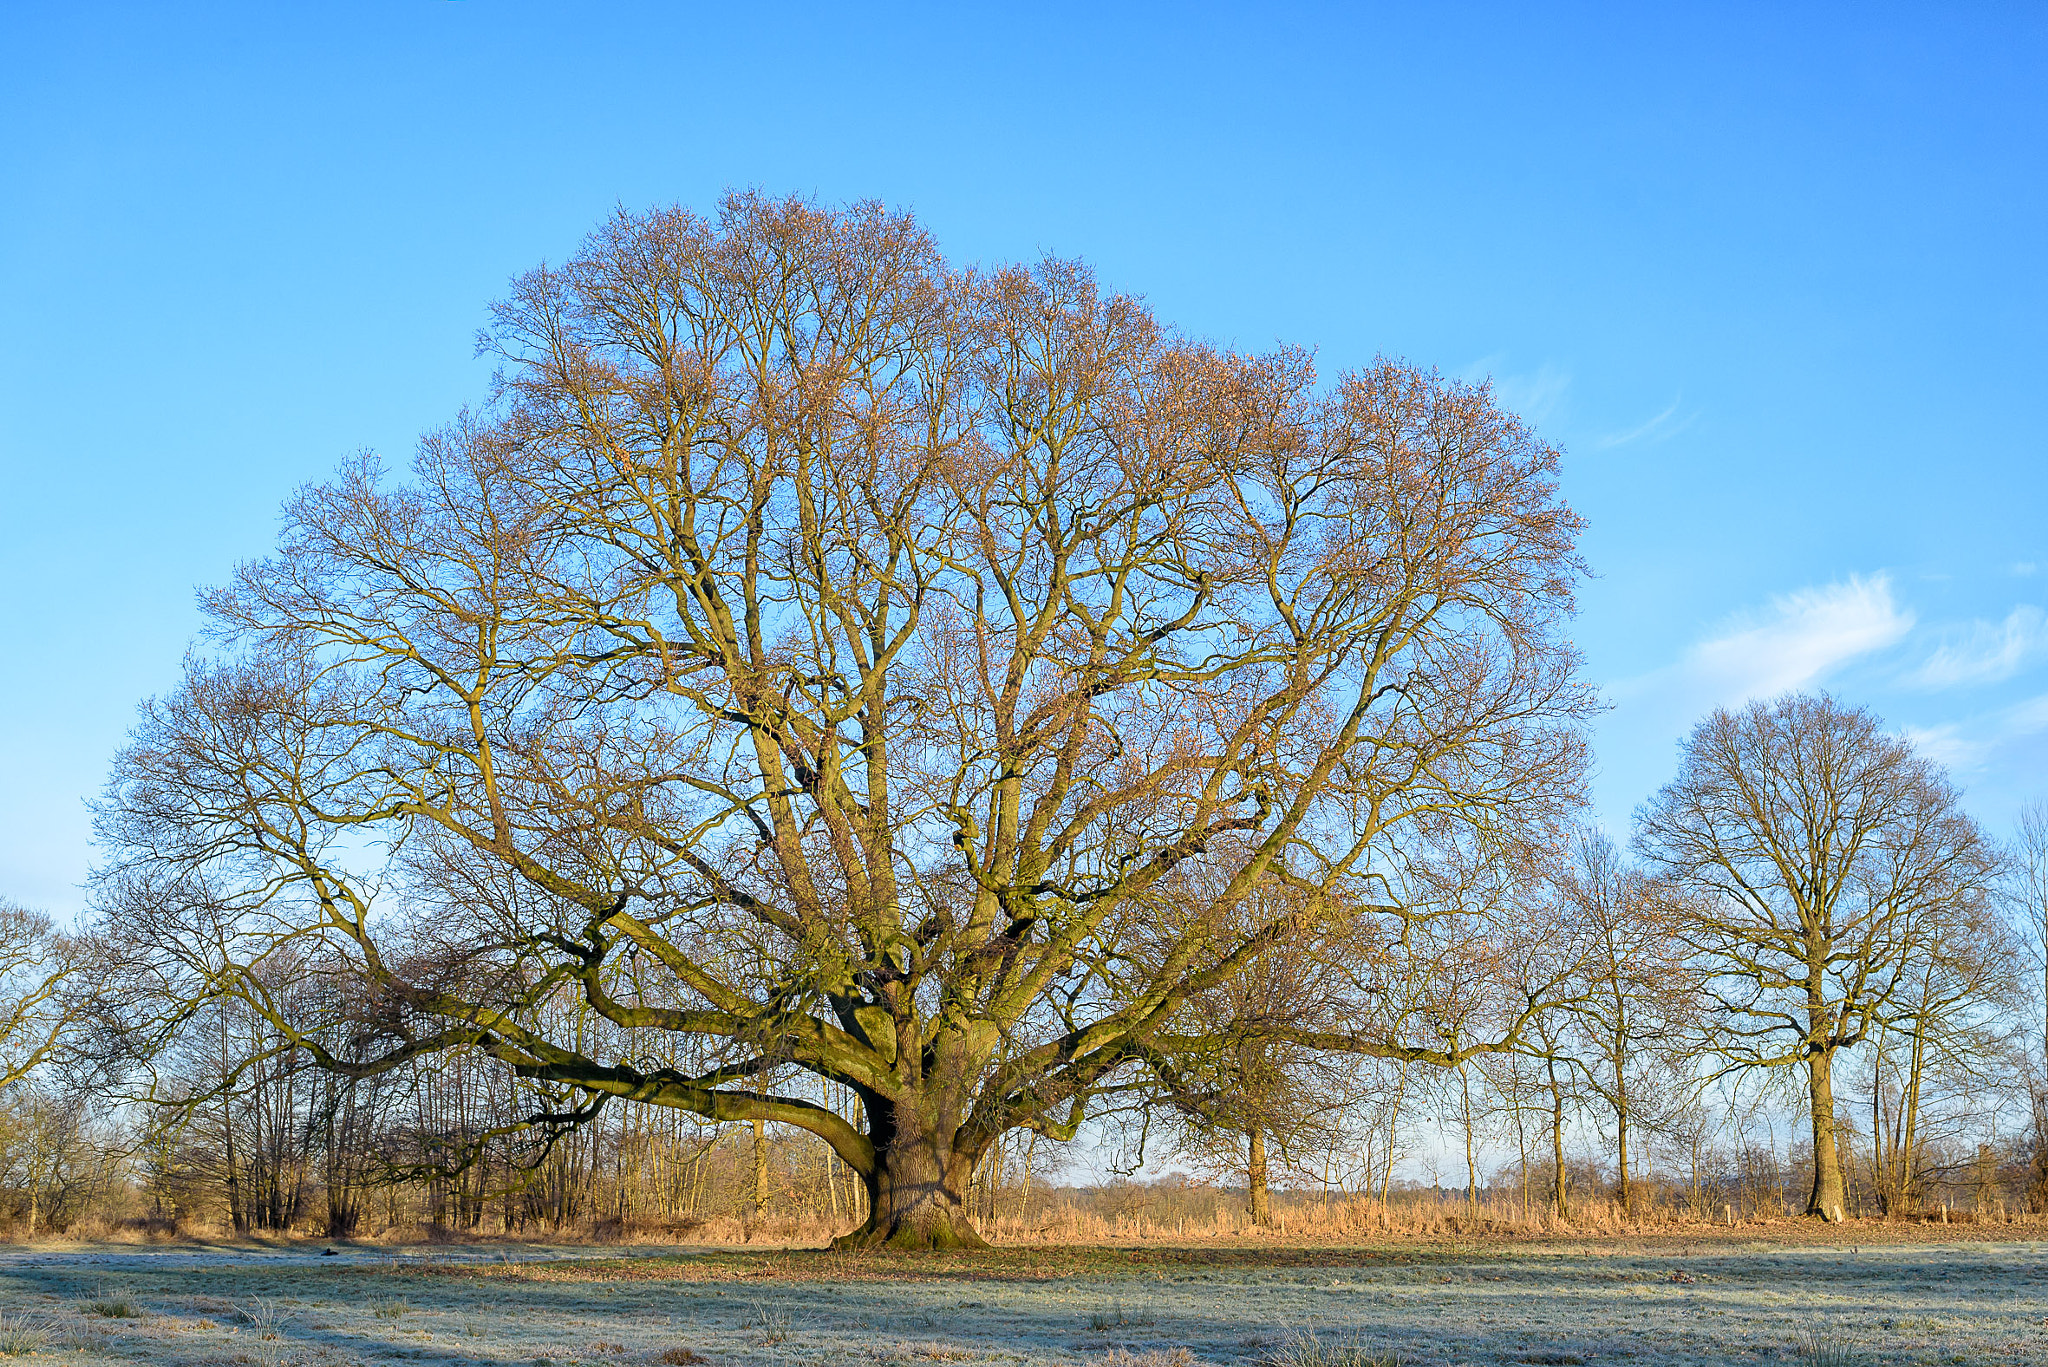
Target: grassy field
1783,1298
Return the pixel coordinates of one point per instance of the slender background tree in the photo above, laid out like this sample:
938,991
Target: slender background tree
1638,993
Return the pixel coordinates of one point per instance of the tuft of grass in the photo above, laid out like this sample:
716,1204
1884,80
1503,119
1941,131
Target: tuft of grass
1102,1321
82,1340
1151,1357
1818,1346
20,1336
267,1318
770,1322
391,1309
111,1305
1307,1349
682,1357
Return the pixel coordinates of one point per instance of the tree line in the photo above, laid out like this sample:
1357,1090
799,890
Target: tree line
832,701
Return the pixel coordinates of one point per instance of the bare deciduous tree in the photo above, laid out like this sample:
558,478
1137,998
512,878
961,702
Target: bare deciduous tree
1825,855
2026,900
826,653
1254,1088
1949,1028
1637,989
2024,892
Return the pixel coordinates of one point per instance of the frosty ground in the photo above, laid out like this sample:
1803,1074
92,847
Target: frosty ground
1672,1300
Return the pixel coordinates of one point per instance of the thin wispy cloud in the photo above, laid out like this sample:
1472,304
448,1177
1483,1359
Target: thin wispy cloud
1537,395
1969,744
1797,640
2023,569
1801,639
1947,745
1665,425
1984,652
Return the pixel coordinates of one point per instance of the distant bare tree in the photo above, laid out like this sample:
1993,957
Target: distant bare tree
55,1160
1637,994
1470,1108
1511,1078
826,653
1949,1037
1255,1088
1827,859
2025,894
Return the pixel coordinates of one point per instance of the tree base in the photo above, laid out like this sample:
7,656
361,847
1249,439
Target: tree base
923,1236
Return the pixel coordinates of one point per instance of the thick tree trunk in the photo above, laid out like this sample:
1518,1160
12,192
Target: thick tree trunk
1828,1195
1626,1193
1258,1196
917,1195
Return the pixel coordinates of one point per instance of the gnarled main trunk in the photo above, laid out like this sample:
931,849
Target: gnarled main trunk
917,1194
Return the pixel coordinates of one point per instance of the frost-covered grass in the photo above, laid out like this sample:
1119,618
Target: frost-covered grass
1789,1303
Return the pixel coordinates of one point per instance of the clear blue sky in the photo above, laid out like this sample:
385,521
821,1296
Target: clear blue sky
1776,277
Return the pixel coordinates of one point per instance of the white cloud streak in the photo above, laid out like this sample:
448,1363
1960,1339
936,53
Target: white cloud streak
1984,652
1794,640
1964,746
1799,639
1655,430
1537,396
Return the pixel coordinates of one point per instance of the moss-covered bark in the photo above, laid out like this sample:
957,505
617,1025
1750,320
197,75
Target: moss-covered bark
918,1189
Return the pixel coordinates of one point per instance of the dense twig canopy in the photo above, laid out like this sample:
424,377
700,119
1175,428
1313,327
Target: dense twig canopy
1829,865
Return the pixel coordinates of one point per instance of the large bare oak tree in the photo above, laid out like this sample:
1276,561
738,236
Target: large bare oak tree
828,657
